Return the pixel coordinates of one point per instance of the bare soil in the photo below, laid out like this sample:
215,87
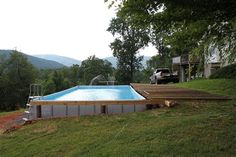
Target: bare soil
9,118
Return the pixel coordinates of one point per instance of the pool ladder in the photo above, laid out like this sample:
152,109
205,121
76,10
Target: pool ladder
36,91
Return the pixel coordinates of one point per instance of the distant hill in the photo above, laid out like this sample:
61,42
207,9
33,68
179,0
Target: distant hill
70,61
37,62
60,59
114,61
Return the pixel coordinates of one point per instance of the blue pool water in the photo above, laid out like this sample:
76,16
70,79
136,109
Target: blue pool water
90,93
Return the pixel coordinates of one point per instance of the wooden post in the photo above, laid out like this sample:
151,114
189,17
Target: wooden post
38,111
52,111
103,109
78,110
170,103
189,68
94,109
66,110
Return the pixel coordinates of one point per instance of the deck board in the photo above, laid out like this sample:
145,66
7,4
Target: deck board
153,92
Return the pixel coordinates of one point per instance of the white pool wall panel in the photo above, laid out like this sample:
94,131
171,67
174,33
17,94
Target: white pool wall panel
114,109
46,111
128,108
73,111
87,109
32,112
59,110
97,109
140,108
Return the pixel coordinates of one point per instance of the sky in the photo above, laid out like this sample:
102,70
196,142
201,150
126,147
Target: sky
72,28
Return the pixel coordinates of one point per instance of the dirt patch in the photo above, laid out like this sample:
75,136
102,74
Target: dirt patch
9,118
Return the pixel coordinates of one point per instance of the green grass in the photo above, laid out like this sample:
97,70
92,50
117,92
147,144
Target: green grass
3,113
190,129
217,86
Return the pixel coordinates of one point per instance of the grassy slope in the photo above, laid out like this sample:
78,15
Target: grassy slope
217,86
190,129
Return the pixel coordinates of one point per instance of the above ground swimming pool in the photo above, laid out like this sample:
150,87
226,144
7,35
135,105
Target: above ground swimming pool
90,93
88,100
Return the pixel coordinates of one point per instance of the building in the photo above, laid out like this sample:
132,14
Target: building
212,63
188,67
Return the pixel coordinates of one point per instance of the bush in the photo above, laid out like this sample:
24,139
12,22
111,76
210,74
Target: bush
228,72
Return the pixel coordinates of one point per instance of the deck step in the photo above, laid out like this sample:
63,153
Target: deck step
28,105
25,119
28,112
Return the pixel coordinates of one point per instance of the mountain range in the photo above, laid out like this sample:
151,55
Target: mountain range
50,61
67,61
37,62
60,59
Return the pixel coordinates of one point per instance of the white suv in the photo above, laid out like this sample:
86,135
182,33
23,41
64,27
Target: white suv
163,75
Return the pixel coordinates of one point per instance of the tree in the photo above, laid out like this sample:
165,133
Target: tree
93,67
186,26
57,81
74,74
16,76
125,48
159,61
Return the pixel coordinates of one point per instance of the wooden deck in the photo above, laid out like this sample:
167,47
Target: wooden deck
158,93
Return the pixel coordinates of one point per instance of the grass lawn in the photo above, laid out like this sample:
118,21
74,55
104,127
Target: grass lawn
217,86
4,113
190,129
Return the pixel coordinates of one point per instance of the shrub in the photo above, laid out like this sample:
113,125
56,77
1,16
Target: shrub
228,72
